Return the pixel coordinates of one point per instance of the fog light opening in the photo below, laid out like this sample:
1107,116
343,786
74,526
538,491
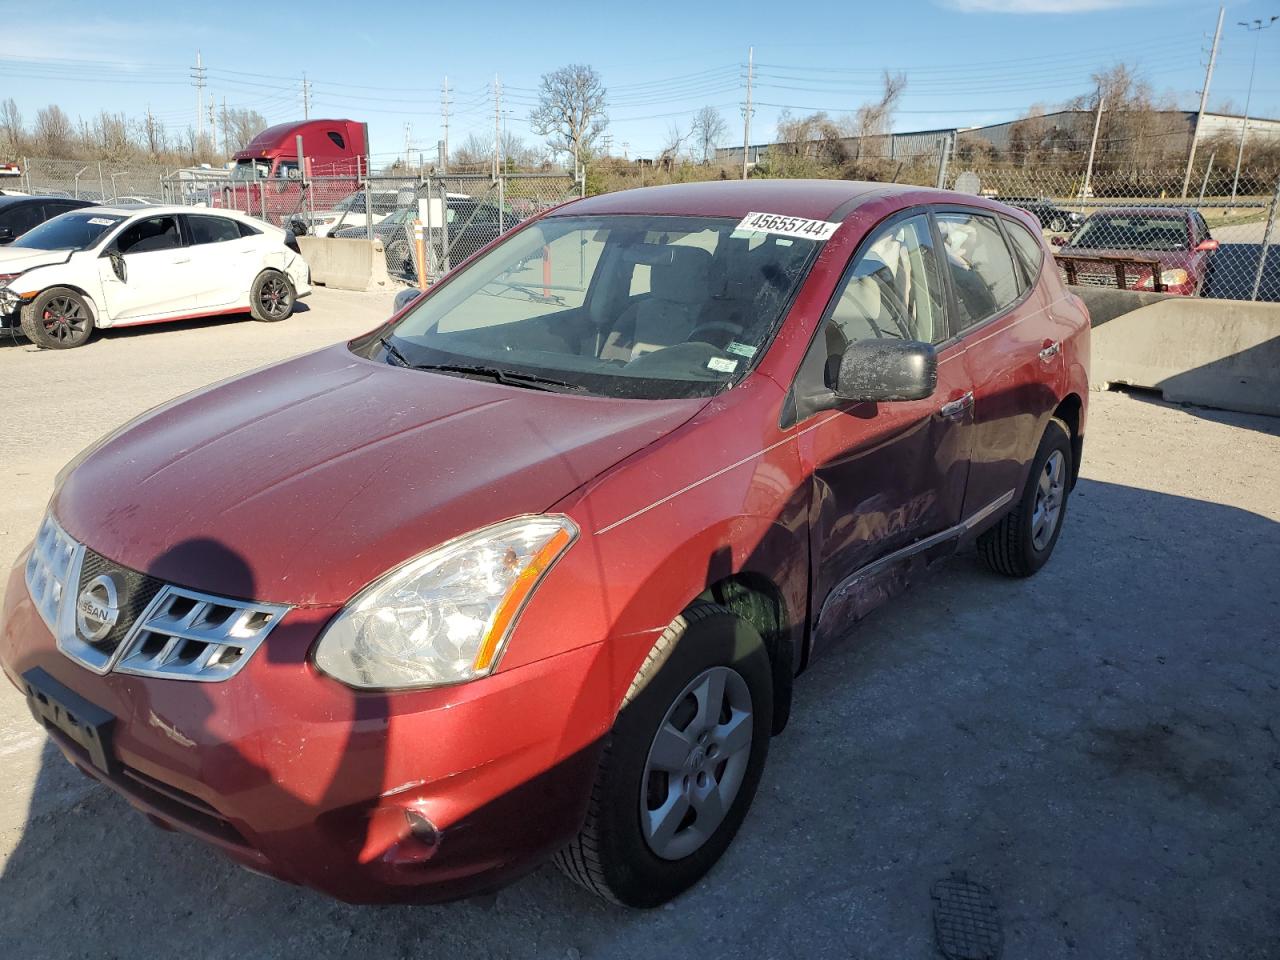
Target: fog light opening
422,829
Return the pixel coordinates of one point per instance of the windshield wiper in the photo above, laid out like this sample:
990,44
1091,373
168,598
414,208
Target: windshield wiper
393,352
506,377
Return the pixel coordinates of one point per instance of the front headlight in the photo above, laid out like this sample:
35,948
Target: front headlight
445,616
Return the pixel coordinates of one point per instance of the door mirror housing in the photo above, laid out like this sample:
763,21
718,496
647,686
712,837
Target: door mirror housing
881,371
6,235
118,266
1207,244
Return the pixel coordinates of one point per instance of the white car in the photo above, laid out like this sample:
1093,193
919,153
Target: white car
350,212
118,266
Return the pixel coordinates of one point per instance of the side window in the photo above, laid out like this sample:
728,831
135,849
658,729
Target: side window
212,230
21,219
150,235
246,230
892,290
337,140
1027,247
981,266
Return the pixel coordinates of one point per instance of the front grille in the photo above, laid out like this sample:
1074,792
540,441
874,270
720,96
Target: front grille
160,630
135,591
194,636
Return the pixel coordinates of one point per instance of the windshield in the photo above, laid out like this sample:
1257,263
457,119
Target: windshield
250,170
1132,232
70,231
624,306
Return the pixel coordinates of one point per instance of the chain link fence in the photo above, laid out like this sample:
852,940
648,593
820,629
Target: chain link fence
1110,224
1133,228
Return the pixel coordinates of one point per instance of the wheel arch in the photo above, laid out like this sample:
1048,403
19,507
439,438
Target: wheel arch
84,294
1071,412
759,601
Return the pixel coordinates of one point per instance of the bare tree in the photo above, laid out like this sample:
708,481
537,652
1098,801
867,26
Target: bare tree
153,135
242,125
53,131
11,129
708,129
875,120
571,109
473,151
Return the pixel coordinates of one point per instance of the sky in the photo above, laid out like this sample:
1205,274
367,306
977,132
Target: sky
968,62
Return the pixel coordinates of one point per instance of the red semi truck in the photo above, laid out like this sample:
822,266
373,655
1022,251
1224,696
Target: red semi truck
267,178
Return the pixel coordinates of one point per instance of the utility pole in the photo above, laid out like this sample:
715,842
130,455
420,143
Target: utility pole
213,124
444,117
306,97
226,138
1256,28
746,113
408,139
497,125
1093,145
198,73
1204,99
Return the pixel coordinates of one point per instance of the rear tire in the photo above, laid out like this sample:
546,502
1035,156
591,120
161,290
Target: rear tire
271,298
1022,542
705,687
57,319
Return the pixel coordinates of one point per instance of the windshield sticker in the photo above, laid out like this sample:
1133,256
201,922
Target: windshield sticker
786,226
102,221
741,349
722,365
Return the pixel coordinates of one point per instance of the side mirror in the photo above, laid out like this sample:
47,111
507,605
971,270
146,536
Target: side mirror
1206,244
1058,241
6,235
404,298
118,266
887,370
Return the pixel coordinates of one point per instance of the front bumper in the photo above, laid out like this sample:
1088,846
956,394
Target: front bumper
418,796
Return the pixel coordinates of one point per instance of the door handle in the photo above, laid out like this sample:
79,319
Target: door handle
953,408
1051,350
187,260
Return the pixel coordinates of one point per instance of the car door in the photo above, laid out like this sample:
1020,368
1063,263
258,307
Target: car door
1012,350
888,478
222,261
158,279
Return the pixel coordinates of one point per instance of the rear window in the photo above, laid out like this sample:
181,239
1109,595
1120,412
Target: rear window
213,229
1027,247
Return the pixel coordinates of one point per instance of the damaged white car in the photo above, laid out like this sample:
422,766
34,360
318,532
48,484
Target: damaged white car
119,266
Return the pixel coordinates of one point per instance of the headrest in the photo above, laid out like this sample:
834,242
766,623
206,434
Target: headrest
681,275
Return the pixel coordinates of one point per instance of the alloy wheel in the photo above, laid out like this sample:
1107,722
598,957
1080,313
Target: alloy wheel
274,297
65,319
696,763
1048,507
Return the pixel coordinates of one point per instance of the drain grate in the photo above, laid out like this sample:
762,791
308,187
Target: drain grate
966,922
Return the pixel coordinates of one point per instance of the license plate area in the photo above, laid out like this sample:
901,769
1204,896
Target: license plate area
61,709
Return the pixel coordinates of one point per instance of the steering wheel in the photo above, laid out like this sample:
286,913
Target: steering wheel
734,330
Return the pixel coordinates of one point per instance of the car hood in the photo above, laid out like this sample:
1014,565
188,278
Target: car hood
302,482
19,259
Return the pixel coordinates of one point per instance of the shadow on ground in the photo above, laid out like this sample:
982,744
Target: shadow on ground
1099,744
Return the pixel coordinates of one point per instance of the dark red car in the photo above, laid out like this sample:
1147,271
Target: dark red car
1175,237
529,570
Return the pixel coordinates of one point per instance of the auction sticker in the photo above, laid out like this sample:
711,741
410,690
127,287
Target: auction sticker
102,221
787,226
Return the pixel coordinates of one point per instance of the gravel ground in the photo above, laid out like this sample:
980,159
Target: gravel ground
1100,745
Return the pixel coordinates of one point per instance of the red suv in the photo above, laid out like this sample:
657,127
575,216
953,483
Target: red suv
529,570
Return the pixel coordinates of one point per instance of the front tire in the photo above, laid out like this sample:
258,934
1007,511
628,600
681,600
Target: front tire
271,298
681,764
1022,542
57,319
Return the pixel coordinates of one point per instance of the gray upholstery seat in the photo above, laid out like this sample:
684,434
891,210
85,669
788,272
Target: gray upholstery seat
679,289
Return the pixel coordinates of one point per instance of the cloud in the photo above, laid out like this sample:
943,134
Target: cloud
1041,6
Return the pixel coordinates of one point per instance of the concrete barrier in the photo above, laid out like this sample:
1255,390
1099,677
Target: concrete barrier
346,264
1215,353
